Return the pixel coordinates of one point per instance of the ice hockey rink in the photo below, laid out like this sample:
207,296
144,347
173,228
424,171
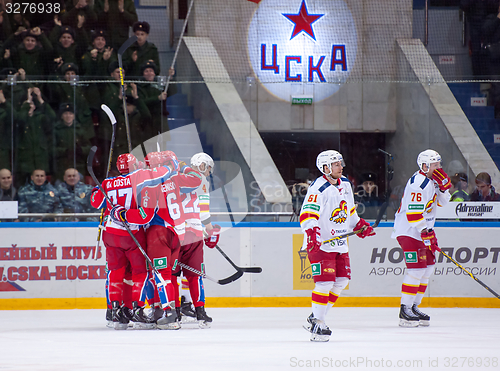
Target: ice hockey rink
253,339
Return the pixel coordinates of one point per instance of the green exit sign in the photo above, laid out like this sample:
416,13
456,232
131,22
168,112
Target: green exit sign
302,99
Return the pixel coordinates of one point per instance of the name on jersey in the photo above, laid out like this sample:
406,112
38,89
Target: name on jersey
118,182
168,187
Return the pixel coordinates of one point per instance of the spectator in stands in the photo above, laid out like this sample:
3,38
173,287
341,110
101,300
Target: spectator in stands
484,190
69,45
95,65
18,91
116,17
464,181
5,132
367,196
155,97
457,190
34,130
141,51
39,196
72,142
5,28
23,50
74,194
78,9
476,12
98,57
7,191
65,92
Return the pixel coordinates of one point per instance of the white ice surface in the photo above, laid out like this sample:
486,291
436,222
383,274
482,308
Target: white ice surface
256,339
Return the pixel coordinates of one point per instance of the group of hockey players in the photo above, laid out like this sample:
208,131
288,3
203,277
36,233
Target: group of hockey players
329,213
156,221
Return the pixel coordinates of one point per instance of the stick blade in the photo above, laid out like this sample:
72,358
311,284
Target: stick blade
110,114
230,279
251,269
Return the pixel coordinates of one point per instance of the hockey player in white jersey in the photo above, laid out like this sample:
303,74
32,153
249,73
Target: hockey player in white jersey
414,229
329,211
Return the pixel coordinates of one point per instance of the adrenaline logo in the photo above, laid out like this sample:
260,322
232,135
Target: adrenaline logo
302,47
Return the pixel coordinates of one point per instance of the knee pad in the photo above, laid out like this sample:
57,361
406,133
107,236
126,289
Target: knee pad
323,287
416,273
341,282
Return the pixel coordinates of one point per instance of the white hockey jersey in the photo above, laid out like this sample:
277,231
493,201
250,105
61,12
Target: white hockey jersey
418,208
332,209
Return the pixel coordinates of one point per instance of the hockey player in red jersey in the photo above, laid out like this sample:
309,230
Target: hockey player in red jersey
166,226
328,211
414,222
121,250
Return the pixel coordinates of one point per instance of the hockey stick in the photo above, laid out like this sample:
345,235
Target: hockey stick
470,274
112,119
178,45
381,213
223,281
160,282
122,49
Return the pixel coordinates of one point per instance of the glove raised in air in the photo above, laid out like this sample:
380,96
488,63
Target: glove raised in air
442,179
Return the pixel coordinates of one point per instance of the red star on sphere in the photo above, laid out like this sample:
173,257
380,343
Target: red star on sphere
303,21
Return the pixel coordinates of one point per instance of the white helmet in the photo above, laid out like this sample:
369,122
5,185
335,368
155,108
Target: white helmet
327,158
202,158
427,157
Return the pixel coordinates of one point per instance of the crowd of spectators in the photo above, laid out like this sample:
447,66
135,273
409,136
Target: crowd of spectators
50,127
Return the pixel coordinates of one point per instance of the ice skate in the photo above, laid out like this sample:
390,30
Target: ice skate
141,320
309,324
204,321
120,321
169,321
424,319
407,318
109,318
187,311
319,330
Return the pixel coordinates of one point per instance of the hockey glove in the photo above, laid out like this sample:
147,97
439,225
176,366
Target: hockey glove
429,239
365,228
213,236
117,214
182,166
442,179
313,239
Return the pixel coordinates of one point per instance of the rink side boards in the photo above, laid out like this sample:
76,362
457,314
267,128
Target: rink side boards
50,266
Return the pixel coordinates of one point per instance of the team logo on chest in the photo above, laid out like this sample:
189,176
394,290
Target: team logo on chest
339,215
302,47
429,206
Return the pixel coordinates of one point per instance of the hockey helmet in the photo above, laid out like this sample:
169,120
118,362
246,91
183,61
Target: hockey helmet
153,159
126,163
327,158
169,158
202,158
427,157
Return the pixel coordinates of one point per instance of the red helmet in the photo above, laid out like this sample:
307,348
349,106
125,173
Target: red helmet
126,163
153,159
169,158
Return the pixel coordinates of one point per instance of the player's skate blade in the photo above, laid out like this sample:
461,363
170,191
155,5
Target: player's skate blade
424,319
169,321
407,318
204,321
